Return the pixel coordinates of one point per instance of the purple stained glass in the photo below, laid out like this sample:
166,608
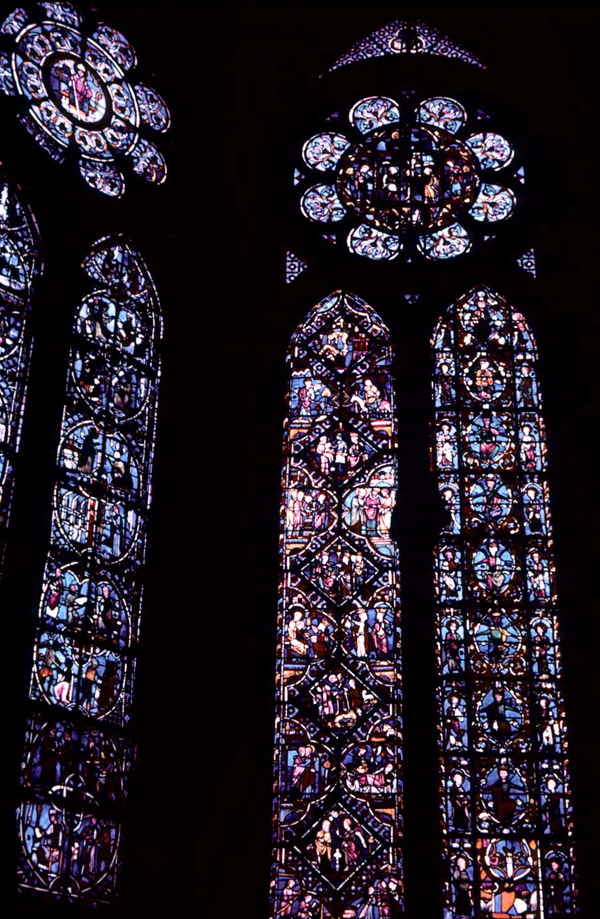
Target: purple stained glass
79,745
74,88
337,761
406,37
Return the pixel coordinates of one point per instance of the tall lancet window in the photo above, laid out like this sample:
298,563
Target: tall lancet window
337,765
20,263
78,746
504,773
410,189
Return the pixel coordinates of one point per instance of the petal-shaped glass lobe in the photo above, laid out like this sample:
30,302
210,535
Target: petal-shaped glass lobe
492,150
447,243
323,151
103,177
373,112
117,45
62,12
321,203
442,112
153,109
372,243
148,161
14,22
7,82
494,202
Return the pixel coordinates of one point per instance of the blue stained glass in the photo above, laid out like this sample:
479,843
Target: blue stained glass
374,112
493,203
338,735
372,243
62,12
117,46
85,647
7,83
323,151
492,150
321,203
15,22
103,177
20,265
504,785
152,108
447,243
148,162
75,94
443,113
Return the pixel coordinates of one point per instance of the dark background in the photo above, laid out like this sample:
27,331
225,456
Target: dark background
241,82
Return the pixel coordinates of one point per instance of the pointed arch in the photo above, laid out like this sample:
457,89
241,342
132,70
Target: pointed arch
505,795
404,36
78,746
20,265
337,763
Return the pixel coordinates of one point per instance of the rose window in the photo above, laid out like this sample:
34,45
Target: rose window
405,177
78,97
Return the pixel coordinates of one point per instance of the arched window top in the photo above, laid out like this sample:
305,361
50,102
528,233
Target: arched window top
20,244
77,98
406,37
333,328
85,649
483,318
504,768
337,761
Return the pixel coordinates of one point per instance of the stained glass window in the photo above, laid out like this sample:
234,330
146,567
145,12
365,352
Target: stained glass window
20,263
76,96
406,37
78,742
337,769
407,175
504,779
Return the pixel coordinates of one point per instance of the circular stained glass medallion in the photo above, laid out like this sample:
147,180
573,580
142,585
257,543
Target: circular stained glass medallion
406,176
77,90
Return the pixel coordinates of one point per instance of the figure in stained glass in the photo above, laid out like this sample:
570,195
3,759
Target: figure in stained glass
501,722
84,653
405,179
337,766
76,95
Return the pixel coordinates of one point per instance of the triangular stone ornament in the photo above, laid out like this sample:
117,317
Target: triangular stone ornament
294,266
527,262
